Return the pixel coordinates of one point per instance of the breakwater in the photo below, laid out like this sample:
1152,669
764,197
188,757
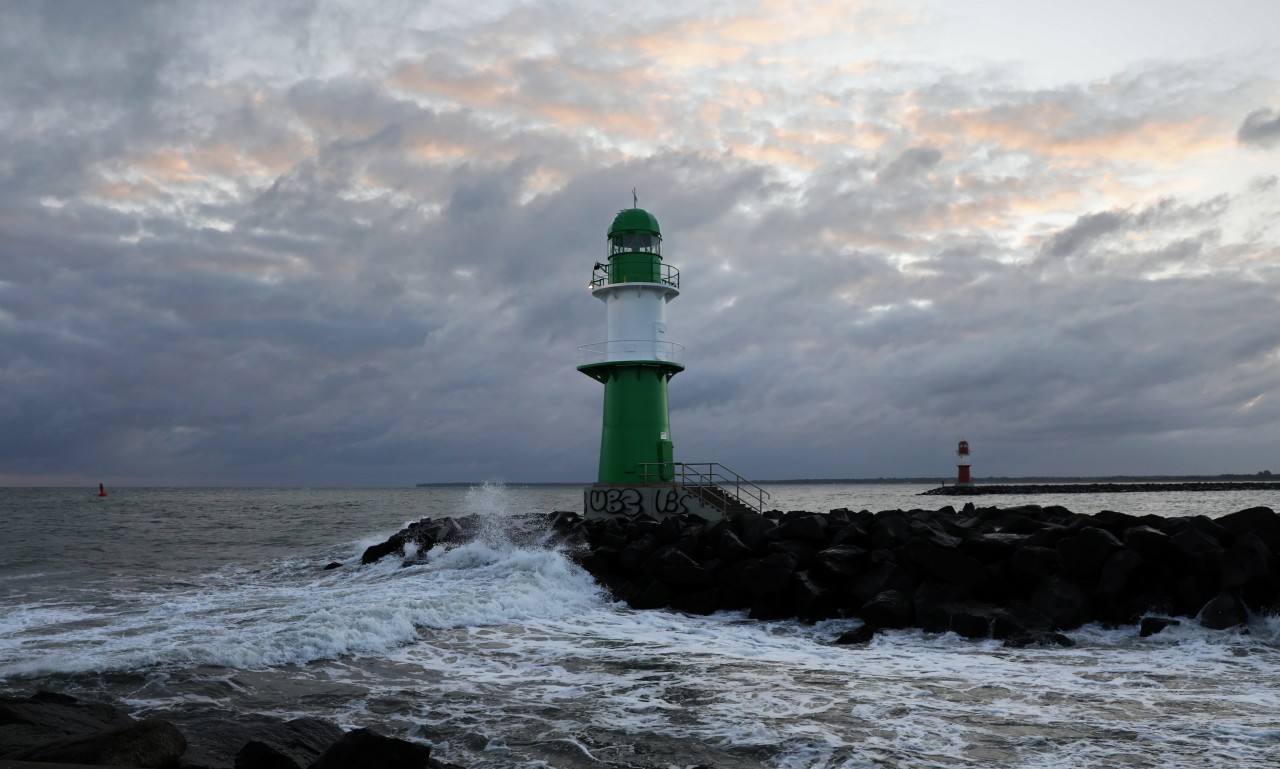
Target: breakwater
1024,574
1100,488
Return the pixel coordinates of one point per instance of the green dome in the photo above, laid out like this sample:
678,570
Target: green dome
634,220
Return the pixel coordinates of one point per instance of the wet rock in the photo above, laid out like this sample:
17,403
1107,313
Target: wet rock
946,564
1196,552
260,755
858,636
889,609
1038,638
150,744
47,717
366,749
1084,553
842,561
1263,522
1223,611
808,528
1152,625
1065,604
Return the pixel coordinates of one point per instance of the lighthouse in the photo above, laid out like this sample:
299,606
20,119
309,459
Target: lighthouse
962,466
638,473
636,360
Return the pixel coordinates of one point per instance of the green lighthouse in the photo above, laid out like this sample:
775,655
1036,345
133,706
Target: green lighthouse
638,475
636,360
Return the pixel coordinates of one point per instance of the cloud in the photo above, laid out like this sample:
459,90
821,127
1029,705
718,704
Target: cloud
1260,128
235,251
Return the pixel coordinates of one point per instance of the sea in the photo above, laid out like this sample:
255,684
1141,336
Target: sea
194,604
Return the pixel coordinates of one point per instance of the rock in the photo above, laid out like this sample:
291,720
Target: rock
808,528
260,755
1152,625
946,564
150,744
701,602
769,575
1033,561
366,749
332,565
731,548
889,609
1117,571
1223,611
1196,552
1038,638
215,743
1066,606
1084,553
47,717
809,600
1150,543
858,636
677,569
842,561
754,530
1263,522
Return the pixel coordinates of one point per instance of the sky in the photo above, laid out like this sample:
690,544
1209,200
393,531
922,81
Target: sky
326,243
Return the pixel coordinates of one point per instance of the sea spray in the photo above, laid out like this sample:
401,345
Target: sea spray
562,664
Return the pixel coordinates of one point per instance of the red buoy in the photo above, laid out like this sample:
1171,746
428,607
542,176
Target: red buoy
102,492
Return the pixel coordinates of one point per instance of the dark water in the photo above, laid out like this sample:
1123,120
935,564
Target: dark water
501,652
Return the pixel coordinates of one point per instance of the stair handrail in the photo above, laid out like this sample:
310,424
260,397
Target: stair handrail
713,477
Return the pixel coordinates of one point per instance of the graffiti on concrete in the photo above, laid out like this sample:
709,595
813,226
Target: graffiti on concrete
658,502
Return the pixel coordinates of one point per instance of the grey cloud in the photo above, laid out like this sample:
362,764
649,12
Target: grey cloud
1260,128
910,162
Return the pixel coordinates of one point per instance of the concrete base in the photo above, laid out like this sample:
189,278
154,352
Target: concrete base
627,502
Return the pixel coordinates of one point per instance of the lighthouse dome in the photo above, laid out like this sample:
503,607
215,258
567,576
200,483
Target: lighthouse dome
634,220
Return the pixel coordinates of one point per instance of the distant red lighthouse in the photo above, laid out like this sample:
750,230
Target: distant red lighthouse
962,466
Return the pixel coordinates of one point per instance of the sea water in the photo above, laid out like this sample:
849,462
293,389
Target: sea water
199,603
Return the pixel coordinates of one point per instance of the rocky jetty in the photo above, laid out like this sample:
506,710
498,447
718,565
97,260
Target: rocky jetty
55,728
1023,574
1099,488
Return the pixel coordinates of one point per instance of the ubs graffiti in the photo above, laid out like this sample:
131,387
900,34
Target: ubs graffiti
630,502
616,501
671,501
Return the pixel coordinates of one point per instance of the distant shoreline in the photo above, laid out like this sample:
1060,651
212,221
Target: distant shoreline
1235,481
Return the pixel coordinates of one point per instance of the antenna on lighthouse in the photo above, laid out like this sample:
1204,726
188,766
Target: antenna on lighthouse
635,202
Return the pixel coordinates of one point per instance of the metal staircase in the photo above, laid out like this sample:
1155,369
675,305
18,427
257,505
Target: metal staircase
713,484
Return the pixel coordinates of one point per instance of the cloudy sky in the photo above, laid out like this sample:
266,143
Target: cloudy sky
348,243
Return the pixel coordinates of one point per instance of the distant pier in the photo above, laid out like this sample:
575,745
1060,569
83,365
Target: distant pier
1100,488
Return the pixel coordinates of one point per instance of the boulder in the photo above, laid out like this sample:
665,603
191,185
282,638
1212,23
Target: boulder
842,562
1117,572
366,749
1223,611
1035,562
260,755
1084,552
1038,638
807,528
47,717
150,744
1196,552
1149,626
860,635
1062,602
946,564
890,609
1263,522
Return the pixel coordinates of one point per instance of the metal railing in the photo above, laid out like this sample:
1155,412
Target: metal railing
631,349
667,276
711,482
